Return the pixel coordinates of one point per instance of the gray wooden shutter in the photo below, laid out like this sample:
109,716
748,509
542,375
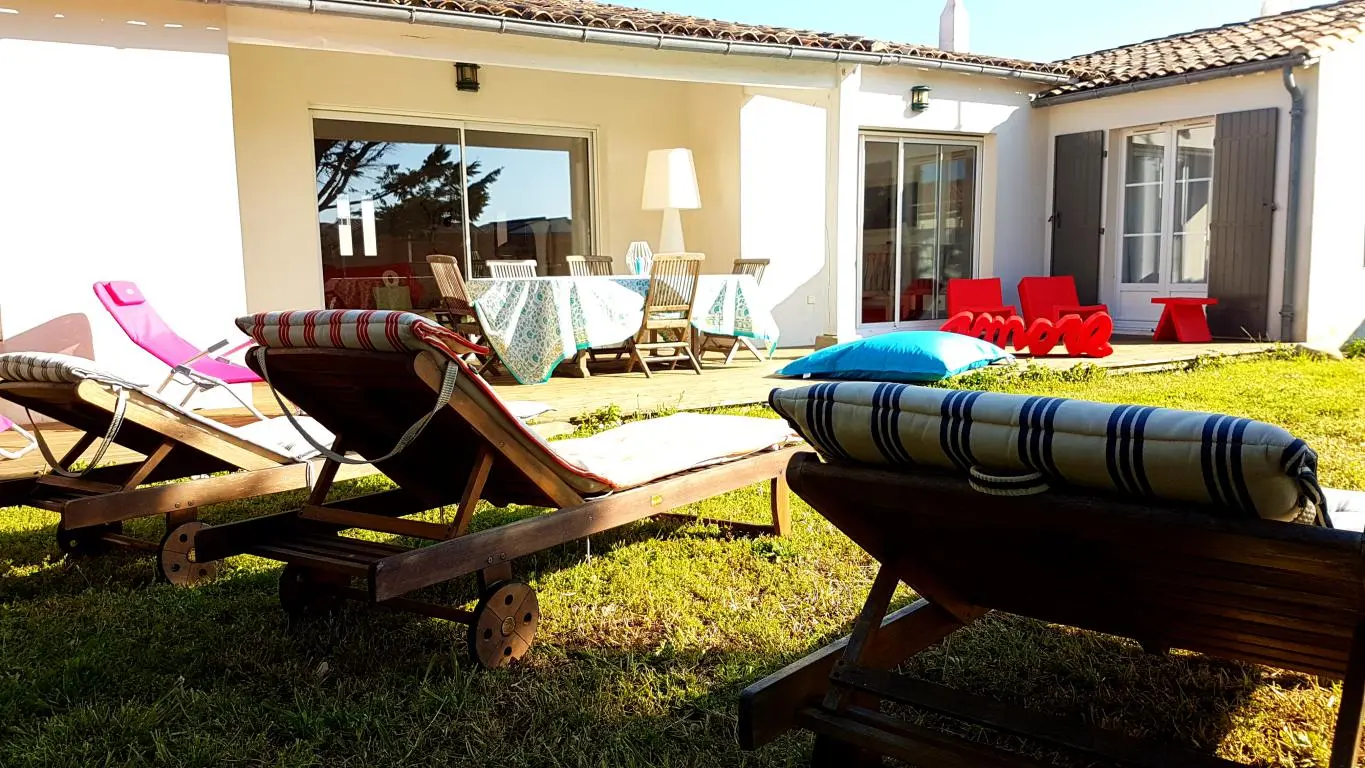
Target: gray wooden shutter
1077,187
1241,222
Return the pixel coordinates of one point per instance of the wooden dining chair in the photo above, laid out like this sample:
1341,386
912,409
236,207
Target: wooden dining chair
455,311
665,334
729,345
590,266
754,267
503,270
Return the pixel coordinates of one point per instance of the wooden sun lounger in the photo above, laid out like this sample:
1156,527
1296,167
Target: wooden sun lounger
1168,576
94,506
467,453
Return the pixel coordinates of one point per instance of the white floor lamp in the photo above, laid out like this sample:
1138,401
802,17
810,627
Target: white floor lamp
671,186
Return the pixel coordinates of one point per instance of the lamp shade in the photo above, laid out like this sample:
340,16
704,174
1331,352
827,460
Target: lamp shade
670,181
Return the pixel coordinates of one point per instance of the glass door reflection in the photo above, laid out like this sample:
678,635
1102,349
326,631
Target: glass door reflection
918,227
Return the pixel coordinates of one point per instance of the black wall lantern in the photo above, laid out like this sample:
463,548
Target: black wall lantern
467,76
919,98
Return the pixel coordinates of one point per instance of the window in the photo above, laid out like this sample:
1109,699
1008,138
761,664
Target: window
918,226
1168,190
389,195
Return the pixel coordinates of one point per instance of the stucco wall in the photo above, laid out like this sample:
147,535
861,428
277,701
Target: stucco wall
783,182
1185,102
1336,277
993,110
630,116
118,164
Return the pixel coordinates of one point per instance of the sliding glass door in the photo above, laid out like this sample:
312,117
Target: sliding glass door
918,227
391,194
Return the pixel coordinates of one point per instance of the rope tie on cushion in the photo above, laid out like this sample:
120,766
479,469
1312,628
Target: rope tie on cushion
1302,465
448,379
996,484
120,408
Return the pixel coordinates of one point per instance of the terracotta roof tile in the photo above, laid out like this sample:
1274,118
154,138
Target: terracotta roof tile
1312,30
587,13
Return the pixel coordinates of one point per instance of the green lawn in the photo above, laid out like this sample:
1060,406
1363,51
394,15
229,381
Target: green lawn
647,637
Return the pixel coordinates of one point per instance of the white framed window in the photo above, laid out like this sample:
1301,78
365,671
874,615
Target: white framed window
393,190
919,225
1167,202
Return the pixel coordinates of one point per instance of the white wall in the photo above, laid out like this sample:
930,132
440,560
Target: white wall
843,203
1336,277
1186,102
630,117
783,193
993,110
118,164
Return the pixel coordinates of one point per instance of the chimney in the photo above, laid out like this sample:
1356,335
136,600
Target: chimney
954,27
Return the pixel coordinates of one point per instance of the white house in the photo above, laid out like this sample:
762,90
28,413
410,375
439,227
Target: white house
227,154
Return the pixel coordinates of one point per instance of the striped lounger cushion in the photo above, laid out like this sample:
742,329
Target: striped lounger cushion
275,435
609,461
369,330
54,368
1238,467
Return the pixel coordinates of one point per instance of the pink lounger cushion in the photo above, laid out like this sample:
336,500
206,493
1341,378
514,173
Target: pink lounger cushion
621,458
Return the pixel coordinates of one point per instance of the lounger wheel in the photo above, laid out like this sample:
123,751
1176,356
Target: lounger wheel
304,593
176,562
87,541
504,625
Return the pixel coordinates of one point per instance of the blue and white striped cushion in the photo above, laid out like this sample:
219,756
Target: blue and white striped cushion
1238,466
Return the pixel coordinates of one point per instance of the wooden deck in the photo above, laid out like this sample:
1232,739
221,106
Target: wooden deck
744,382
748,381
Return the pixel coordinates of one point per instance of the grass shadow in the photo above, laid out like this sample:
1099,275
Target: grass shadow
643,651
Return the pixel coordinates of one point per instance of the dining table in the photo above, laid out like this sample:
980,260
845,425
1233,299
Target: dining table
536,323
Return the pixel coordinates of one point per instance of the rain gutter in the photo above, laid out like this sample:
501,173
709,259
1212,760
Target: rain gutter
627,38
1203,75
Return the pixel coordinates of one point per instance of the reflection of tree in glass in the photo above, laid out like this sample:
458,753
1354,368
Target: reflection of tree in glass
341,162
411,200
427,197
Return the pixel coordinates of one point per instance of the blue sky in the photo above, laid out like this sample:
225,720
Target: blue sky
1042,30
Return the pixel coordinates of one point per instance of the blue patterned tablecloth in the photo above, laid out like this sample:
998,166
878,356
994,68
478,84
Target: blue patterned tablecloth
534,324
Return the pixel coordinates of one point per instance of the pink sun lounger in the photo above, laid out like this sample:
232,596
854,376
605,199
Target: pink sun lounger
197,367
29,442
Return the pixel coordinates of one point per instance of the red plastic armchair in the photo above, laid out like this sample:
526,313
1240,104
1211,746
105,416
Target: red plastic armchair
980,297
1052,298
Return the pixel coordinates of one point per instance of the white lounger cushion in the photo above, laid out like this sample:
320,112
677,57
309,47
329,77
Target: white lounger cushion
642,451
276,435
279,435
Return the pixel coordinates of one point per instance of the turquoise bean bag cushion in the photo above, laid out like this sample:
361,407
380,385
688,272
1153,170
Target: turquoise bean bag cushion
907,356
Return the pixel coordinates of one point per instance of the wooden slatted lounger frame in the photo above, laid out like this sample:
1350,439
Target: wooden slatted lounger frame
466,454
94,506
1284,595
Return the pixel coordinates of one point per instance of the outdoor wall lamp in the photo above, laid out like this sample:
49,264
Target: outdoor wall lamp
919,98
467,77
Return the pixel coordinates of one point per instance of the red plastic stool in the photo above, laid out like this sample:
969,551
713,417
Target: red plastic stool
1183,320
